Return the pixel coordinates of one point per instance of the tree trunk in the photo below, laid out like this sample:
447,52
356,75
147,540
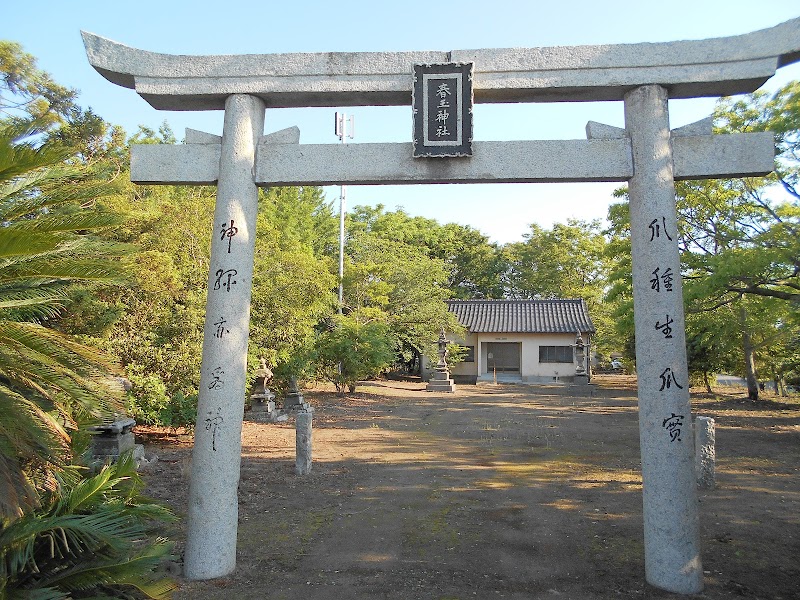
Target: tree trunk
749,357
707,382
780,383
416,362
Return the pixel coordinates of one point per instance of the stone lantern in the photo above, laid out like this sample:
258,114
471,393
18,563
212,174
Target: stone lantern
262,399
440,380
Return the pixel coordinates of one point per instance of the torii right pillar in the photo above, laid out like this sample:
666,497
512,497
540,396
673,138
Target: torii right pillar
671,527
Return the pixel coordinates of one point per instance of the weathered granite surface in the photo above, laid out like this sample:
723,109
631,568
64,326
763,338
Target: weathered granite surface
712,67
440,381
216,455
536,161
646,153
705,452
669,489
303,444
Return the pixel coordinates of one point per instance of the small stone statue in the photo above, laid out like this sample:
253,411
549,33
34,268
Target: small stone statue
262,399
442,343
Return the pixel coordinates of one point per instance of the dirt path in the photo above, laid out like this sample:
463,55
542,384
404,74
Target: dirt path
494,492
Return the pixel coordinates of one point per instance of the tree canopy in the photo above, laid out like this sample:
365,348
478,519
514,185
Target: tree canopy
740,254
62,531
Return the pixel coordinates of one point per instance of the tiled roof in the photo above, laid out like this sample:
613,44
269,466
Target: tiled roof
522,316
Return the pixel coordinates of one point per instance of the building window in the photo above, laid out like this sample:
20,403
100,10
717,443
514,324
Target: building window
470,355
556,354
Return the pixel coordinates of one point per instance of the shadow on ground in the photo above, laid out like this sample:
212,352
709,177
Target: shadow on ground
493,492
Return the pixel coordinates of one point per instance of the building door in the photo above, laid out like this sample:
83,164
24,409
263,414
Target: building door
504,357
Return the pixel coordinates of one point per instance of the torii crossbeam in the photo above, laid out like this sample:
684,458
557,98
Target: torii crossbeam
646,154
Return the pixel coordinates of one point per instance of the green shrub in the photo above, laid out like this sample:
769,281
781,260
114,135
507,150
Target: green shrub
181,411
352,351
148,403
147,399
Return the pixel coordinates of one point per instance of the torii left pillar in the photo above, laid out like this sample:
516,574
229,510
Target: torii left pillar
216,456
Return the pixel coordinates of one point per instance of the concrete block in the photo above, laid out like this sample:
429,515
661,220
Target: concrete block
112,445
295,401
123,425
441,386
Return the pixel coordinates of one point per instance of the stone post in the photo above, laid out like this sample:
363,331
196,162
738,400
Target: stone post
302,463
705,452
671,530
216,456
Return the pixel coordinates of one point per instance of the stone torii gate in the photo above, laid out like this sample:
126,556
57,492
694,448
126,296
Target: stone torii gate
645,153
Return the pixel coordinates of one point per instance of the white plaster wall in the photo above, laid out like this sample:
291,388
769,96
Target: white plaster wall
529,358
465,368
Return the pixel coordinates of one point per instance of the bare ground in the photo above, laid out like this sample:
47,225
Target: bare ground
492,492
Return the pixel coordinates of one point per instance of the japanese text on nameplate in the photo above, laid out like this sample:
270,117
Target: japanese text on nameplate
442,103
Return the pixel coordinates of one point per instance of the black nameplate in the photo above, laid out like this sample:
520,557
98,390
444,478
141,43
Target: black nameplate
442,103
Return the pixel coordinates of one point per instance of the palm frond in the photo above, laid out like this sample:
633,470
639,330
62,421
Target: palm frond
19,242
43,594
48,187
18,159
61,534
21,195
91,539
138,572
32,443
56,223
33,303
41,269
90,492
52,364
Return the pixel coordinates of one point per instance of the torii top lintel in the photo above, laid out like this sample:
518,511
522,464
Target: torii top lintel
695,68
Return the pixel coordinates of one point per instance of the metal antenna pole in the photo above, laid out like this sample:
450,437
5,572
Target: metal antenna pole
341,132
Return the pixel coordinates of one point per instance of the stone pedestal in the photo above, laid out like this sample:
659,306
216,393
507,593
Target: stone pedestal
295,401
294,398
264,404
581,379
441,382
109,440
262,408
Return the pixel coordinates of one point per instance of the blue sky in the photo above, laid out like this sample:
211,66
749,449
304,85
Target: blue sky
50,31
